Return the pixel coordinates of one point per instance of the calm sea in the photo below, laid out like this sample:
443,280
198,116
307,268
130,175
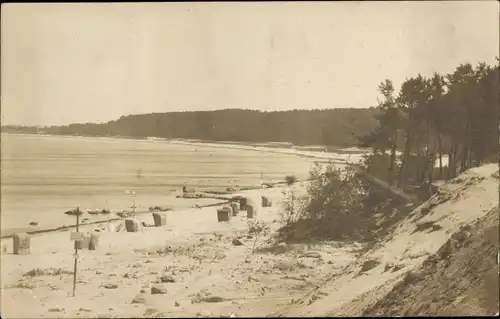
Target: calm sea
43,176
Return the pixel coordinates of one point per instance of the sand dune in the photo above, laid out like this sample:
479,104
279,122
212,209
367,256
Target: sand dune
464,200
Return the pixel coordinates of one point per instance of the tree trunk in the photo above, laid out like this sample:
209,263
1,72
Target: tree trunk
466,142
431,168
429,150
422,156
432,159
470,149
405,158
464,156
418,165
392,163
425,170
452,159
456,152
440,151
430,155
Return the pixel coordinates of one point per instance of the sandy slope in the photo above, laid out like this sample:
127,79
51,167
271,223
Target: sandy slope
462,278
209,276
461,202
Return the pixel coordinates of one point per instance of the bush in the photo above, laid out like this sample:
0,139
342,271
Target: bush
335,199
290,180
291,208
257,229
342,204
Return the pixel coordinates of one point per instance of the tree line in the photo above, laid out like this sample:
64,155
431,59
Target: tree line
453,116
334,127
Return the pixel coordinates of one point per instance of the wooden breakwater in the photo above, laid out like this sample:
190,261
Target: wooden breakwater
395,190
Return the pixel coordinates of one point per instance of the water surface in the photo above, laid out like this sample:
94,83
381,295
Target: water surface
43,176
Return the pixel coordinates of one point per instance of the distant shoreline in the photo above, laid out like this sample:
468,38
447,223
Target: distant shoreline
310,151
269,145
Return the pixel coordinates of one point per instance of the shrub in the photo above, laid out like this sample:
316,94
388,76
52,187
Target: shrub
256,229
291,179
335,199
291,208
341,204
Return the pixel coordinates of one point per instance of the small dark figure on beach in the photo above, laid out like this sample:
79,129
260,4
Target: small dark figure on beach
139,173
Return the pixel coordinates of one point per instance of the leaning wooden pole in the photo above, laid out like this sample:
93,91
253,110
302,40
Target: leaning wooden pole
392,189
76,251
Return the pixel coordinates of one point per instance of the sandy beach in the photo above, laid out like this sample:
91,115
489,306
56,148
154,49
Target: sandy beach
193,248
197,247
191,266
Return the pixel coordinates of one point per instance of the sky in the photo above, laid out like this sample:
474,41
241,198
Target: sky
76,62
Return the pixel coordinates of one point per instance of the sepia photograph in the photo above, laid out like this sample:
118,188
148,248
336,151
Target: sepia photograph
250,159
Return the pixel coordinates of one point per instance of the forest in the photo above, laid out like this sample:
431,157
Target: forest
453,116
333,127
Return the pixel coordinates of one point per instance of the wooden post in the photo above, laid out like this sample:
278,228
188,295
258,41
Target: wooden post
133,206
261,182
261,185
76,250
